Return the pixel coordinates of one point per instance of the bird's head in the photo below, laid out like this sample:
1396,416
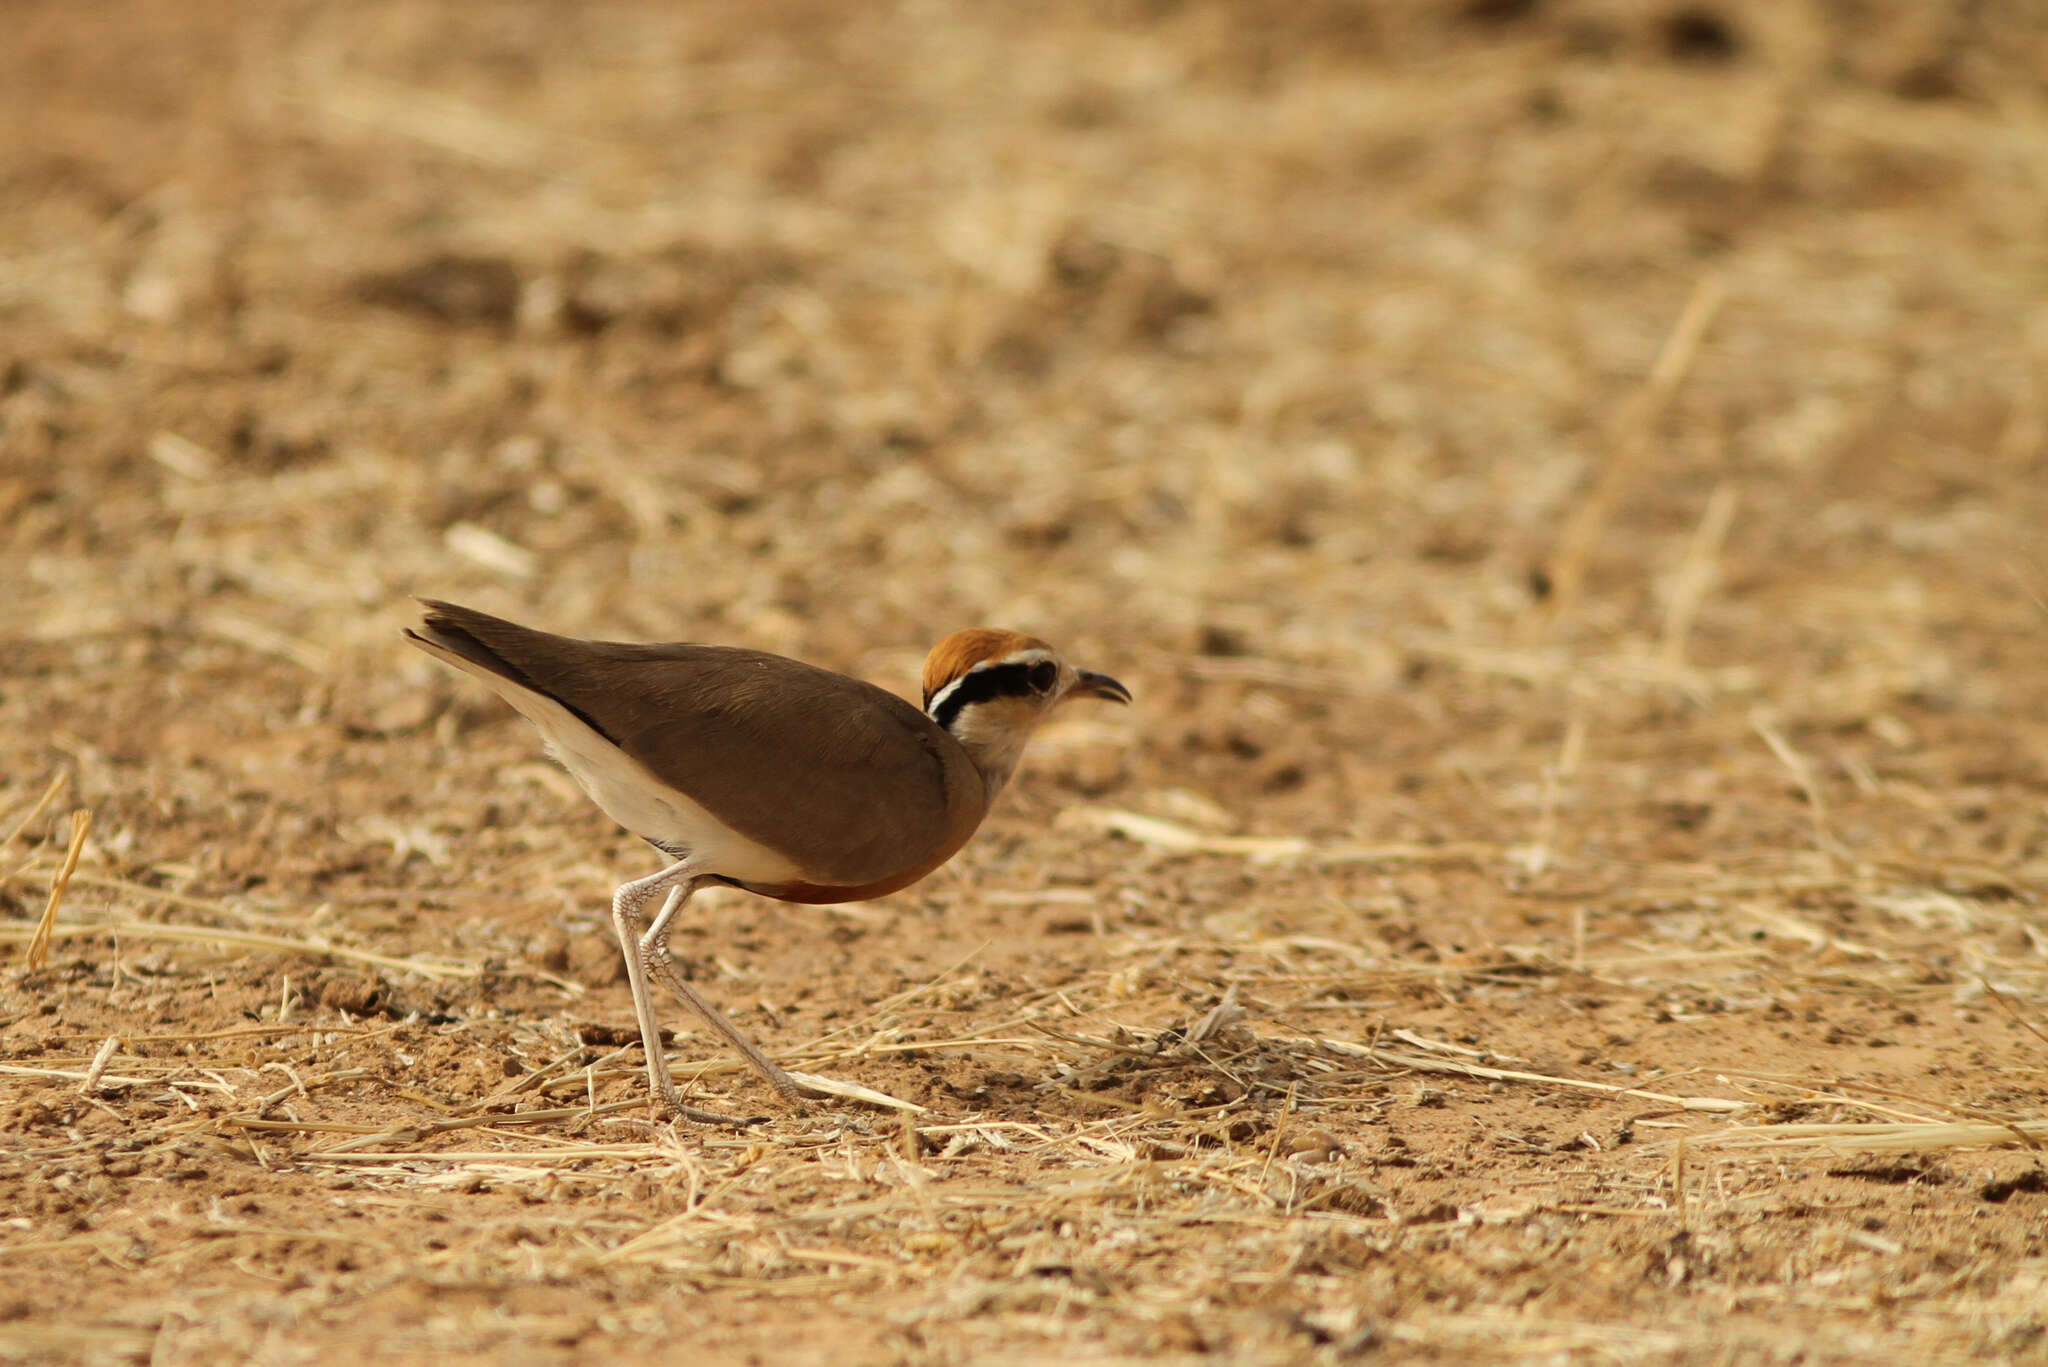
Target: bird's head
990,689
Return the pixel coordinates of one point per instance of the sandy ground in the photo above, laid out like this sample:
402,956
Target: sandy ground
1564,480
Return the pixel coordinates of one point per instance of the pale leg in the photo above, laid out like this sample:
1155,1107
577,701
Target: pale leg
628,921
654,958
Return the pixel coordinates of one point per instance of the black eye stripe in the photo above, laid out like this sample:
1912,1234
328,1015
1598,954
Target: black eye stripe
1016,680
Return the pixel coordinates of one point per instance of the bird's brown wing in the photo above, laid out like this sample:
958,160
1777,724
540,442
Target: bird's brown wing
869,784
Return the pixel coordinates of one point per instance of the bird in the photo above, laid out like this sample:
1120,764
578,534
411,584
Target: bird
756,771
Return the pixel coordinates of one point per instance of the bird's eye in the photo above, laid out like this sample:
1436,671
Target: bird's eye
1043,676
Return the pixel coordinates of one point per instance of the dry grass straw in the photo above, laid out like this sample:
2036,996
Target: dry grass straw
222,938
1802,774
1696,573
1885,1136
350,101
1628,444
1175,838
96,1070
38,955
56,785
1427,1064
1581,673
91,1078
253,635
2005,1005
1536,857
216,937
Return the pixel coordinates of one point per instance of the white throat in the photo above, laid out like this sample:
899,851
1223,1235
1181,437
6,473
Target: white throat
995,744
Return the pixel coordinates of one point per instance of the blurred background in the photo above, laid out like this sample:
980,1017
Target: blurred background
1396,391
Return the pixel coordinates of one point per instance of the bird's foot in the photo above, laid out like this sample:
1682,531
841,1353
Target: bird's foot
676,1109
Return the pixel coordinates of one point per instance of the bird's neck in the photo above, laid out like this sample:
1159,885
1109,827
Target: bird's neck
993,744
